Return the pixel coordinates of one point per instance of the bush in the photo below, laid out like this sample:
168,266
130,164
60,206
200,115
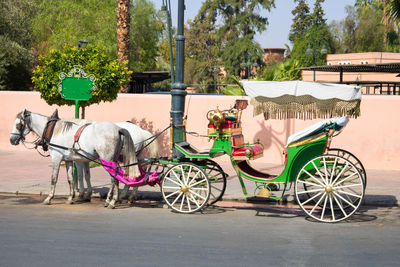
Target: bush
110,74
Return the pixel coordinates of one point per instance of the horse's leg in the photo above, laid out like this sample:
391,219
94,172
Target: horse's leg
88,194
70,176
110,192
124,192
54,177
114,200
79,172
134,194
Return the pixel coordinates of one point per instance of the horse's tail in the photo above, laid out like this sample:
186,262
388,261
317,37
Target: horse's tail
151,144
129,154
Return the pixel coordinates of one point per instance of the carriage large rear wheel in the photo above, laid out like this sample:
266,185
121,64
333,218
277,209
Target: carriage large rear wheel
334,188
217,178
353,159
185,188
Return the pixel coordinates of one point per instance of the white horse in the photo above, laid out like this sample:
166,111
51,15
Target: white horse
103,140
145,146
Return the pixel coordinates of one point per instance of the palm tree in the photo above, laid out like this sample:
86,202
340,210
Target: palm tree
123,28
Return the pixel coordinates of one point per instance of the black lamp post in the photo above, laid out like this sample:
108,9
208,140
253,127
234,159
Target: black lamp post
178,92
247,63
215,71
80,42
311,51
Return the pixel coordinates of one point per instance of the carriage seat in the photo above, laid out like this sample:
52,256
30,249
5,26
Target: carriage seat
242,151
317,128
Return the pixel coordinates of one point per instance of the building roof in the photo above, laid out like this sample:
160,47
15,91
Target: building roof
384,67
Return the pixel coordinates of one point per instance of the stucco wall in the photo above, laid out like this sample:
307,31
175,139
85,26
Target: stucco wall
372,137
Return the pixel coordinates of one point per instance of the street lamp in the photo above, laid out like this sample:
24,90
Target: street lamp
215,70
80,42
247,63
311,51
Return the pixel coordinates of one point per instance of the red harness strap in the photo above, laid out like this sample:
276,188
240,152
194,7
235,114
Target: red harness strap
79,132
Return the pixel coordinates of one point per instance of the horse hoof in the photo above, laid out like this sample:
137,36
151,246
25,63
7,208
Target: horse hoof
46,202
111,206
70,202
107,203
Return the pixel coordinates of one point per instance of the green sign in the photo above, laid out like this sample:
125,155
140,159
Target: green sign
76,85
76,88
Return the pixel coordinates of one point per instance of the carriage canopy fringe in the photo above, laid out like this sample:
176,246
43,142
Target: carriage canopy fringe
303,100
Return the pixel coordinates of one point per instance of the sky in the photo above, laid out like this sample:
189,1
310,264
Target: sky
280,18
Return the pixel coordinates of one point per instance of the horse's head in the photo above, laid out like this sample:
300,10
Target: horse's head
22,127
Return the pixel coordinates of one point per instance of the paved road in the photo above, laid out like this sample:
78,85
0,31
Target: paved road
146,234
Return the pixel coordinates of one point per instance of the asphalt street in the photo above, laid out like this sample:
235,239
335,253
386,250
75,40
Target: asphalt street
146,234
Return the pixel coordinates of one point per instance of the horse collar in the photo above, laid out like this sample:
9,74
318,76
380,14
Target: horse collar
79,132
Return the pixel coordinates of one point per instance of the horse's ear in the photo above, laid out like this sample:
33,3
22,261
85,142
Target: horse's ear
25,112
55,115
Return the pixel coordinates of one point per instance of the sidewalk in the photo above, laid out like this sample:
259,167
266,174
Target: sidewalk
25,171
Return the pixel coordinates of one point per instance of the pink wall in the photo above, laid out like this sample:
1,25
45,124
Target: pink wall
373,137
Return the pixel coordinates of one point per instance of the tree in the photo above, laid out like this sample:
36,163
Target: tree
57,23
310,31
354,34
235,23
110,74
301,20
123,33
16,57
146,31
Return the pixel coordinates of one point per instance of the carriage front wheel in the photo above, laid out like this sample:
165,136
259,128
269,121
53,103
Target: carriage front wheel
185,188
334,188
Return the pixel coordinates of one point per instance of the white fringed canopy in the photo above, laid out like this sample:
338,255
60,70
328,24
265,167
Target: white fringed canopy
304,100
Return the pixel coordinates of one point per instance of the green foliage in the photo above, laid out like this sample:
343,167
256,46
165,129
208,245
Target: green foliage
222,34
280,71
63,22
234,90
301,21
146,29
354,34
16,57
110,74
310,31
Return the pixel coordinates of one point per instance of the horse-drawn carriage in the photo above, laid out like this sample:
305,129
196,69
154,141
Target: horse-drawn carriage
329,184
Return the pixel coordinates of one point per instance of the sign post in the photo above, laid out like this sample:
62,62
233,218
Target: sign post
76,86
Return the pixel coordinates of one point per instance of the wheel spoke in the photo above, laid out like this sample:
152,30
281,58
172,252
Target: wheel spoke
338,195
310,191
333,169
346,178
188,203
195,201
326,172
173,193
348,193
194,177
199,182
324,207
194,193
320,174
340,174
169,179
331,205
315,178
312,184
308,200
172,187
347,186
319,201
340,206
176,199
183,200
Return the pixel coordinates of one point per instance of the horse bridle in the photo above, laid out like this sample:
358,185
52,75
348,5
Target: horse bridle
23,123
